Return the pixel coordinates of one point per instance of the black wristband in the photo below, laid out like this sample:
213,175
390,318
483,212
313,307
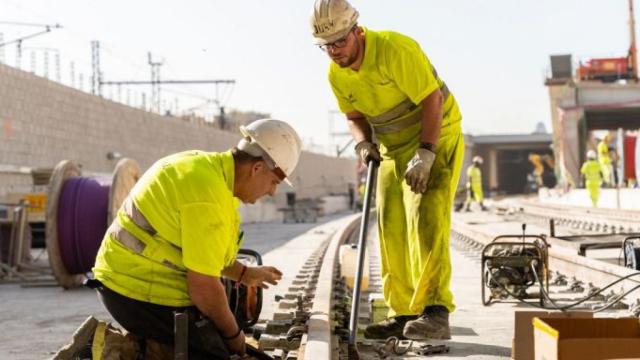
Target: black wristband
231,337
429,146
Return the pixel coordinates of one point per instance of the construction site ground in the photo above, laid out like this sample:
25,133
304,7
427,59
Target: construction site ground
478,332
37,321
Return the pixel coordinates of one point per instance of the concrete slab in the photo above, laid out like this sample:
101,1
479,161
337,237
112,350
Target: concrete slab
628,199
291,256
478,332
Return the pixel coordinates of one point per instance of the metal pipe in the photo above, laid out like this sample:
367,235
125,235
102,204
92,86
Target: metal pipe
12,236
362,243
22,224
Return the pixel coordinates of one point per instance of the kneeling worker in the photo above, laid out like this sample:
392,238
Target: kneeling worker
178,233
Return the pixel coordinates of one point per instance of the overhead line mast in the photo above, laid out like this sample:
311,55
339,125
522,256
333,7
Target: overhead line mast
18,41
155,82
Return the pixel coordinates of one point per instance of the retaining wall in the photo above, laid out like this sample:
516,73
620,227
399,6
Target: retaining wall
43,122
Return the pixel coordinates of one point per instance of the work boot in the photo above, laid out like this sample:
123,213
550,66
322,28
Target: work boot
467,208
432,324
388,327
482,207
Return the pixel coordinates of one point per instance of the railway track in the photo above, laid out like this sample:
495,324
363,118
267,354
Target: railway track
584,230
313,323
590,219
311,319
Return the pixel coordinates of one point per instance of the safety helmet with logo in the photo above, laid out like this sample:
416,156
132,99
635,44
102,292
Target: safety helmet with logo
477,160
331,20
591,155
276,142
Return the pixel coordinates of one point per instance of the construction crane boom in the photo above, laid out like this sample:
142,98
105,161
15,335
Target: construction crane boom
633,51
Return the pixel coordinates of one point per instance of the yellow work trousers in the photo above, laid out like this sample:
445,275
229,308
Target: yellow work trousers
474,192
594,192
606,168
414,228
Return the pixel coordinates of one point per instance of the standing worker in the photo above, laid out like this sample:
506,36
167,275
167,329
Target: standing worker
386,86
178,232
474,184
592,174
605,160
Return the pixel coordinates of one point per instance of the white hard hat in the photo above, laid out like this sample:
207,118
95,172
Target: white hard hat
477,159
278,140
591,155
332,20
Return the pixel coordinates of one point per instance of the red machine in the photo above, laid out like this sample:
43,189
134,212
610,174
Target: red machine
607,69
612,69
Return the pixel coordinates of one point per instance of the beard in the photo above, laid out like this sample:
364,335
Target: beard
347,60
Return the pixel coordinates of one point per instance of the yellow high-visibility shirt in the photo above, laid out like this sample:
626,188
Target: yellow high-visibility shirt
394,68
592,172
188,200
603,153
474,176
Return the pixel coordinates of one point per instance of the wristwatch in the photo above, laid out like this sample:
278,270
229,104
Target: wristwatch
429,146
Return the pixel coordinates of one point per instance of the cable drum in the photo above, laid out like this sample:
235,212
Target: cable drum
125,176
79,210
82,221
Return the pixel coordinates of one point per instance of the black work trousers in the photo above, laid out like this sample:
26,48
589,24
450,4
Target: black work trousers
152,321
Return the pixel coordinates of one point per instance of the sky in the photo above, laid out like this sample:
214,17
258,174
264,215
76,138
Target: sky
493,55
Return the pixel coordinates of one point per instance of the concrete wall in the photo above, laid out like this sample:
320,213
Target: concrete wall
568,102
43,122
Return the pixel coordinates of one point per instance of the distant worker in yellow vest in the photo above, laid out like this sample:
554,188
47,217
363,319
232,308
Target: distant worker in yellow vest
474,184
538,168
387,87
605,160
178,232
592,174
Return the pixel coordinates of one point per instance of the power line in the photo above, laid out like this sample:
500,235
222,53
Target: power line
18,41
155,82
17,23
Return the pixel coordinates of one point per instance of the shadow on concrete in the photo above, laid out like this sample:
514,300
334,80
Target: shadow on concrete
463,331
463,349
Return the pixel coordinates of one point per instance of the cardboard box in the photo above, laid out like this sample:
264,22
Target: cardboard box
586,339
522,347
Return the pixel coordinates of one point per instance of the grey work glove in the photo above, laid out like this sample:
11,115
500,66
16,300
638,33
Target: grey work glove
367,150
419,170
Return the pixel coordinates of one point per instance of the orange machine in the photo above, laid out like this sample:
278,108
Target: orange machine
612,69
606,69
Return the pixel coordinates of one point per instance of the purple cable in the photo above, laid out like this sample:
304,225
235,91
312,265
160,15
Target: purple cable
82,221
